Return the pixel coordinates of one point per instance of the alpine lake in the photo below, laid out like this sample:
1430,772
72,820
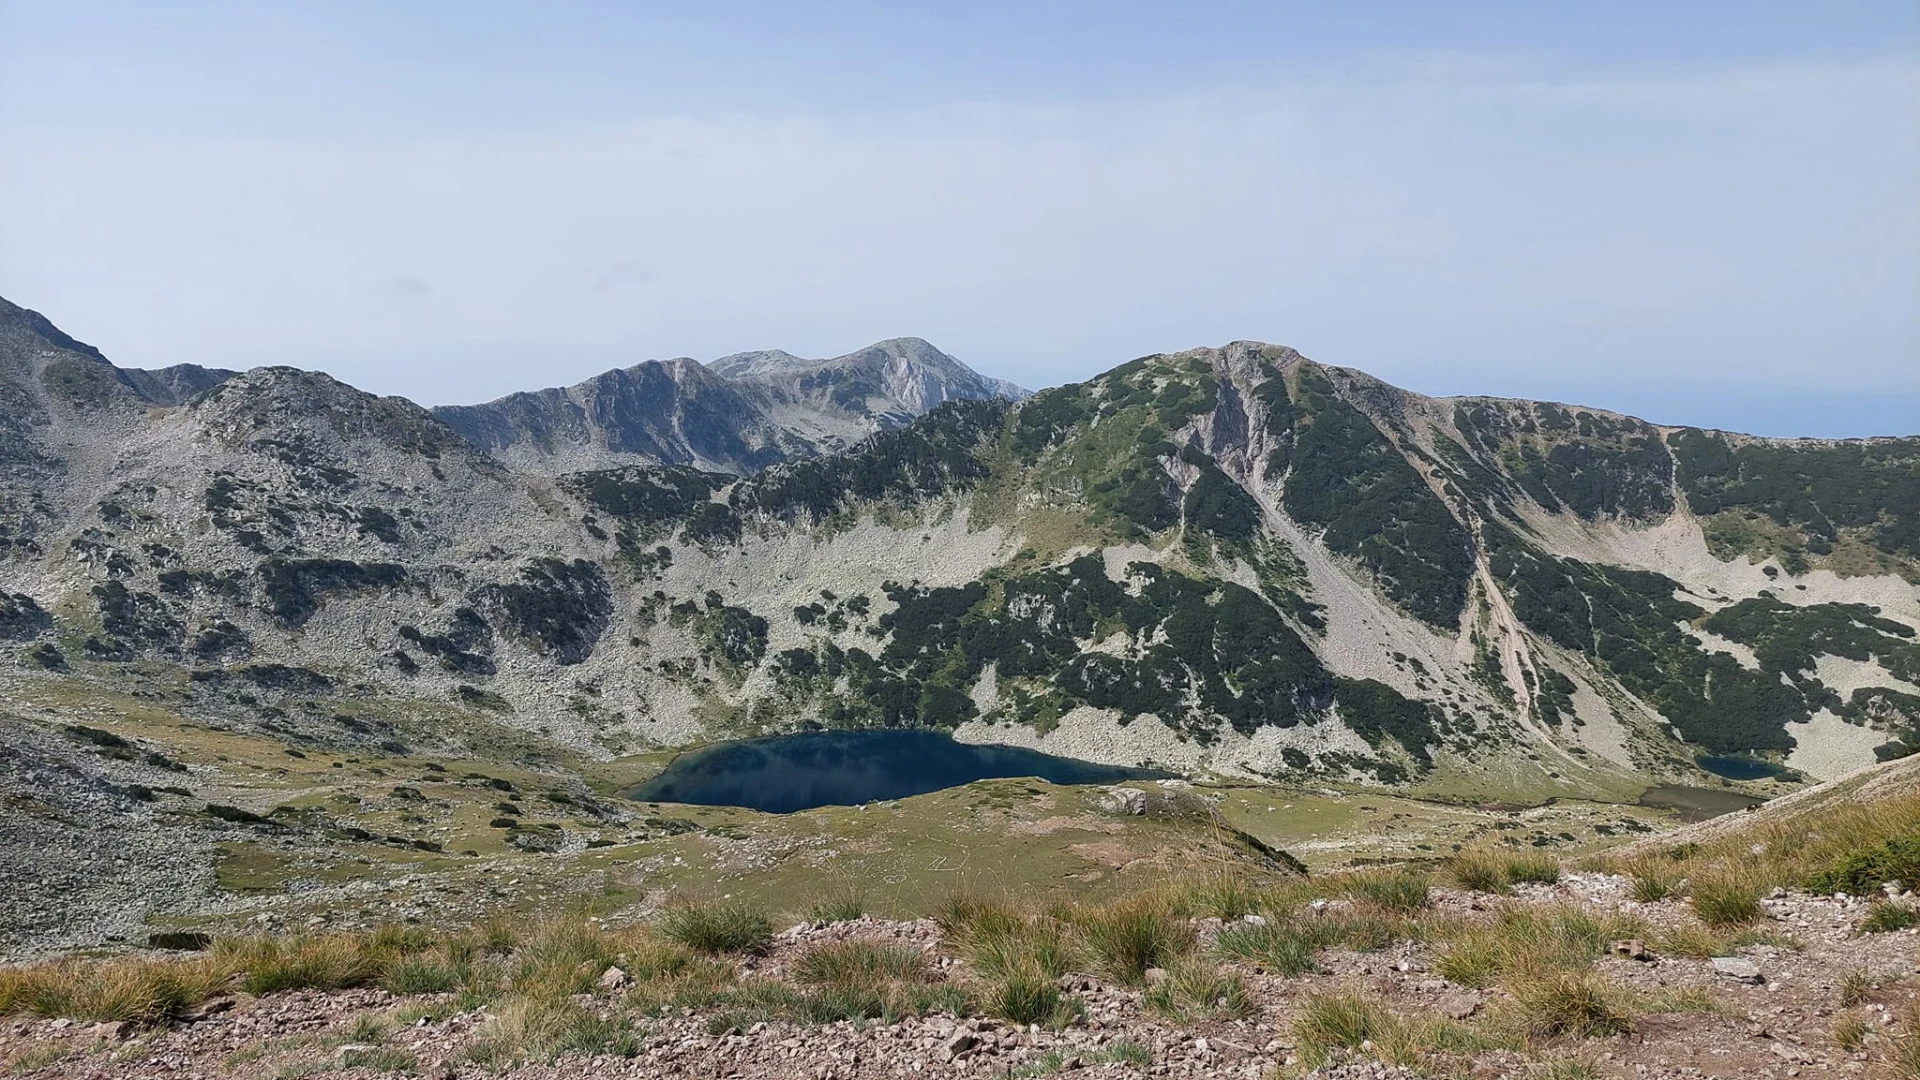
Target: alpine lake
785,773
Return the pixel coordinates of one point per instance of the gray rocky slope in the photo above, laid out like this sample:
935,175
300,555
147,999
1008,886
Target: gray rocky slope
738,414
1229,559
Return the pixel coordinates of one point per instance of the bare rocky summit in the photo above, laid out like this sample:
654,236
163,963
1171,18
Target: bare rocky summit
738,414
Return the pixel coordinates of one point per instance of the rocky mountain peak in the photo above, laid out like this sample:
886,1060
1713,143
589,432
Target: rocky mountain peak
760,362
737,414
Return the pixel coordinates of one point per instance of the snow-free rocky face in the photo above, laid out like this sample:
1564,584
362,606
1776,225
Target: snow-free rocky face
1229,559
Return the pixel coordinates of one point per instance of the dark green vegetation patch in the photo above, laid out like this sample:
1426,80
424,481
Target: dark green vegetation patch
131,620
1344,475
936,455
1862,873
1590,464
1821,491
732,637
1194,652
1630,622
295,588
1217,506
1787,639
650,501
463,649
560,607
21,619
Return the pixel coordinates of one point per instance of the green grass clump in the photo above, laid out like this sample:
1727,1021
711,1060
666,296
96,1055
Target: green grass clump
426,973
540,1029
300,962
1197,989
562,957
855,960
1364,929
1327,1025
367,1028
1654,878
738,1008
1000,940
1725,900
1884,917
1478,871
1126,938
1031,997
1533,937
844,905
725,927
1575,1004
1536,867
854,979
1221,895
1496,871
1056,1061
1284,947
1398,890
1864,870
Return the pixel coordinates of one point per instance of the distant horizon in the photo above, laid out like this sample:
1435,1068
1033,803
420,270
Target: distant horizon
1869,403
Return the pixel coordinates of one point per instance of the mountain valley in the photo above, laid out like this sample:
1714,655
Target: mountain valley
288,666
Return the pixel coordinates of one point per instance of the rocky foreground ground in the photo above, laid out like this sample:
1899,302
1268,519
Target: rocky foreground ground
1812,995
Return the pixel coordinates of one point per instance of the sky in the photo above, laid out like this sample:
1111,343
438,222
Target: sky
1703,213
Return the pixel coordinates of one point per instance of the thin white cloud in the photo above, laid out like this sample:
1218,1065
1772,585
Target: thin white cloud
409,287
1451,232
619,275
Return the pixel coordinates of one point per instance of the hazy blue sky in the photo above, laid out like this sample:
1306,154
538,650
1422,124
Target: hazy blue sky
1702,213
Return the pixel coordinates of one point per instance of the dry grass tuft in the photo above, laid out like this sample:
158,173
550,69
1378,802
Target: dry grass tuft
1854,988
1401,890
1813,845
1726,898
1885,917
142,991
1576,1004
1896,1055
855,960
540,1029
1850,1031
1125,938
1195,989
271,965
1528,938
1220,894
1328,1026
1655,877
1002,941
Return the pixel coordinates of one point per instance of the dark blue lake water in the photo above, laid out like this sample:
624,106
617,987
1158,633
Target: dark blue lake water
785,773
1739,768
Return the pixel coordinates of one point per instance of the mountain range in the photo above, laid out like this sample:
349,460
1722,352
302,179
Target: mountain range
738,414
1232,560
